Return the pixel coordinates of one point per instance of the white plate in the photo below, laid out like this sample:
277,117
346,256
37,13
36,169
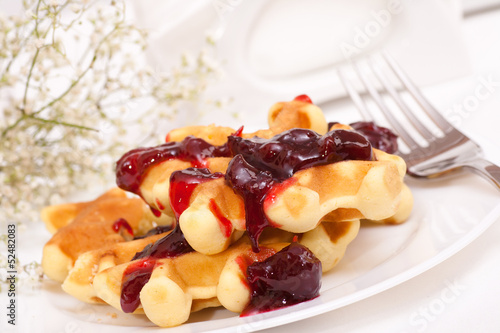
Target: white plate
448,215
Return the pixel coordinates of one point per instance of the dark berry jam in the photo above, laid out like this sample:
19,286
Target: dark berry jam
155,231
291,276
120,224
172,245
133,166
259,164
380,137
253,185
136,275
182,185
303,98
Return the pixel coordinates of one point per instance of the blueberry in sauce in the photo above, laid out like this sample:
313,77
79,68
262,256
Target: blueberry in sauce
291,276
380,137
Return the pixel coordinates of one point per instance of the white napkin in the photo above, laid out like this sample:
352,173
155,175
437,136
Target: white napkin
275,50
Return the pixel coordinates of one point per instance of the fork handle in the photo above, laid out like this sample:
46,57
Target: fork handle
486,169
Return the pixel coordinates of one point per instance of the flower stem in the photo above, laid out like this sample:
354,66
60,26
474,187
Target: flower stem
63,123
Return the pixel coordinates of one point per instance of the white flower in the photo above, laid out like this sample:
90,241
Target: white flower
39,42
41,161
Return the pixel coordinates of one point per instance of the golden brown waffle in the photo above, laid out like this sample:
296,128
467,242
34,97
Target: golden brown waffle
194,281
78,282
91,227
58,216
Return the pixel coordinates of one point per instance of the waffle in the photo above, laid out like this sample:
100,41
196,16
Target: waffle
193,281
85,226
79,281
201,191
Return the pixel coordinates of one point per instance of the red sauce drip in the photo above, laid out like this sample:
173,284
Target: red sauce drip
303,98
291,276
136,275
159,204
182,185
275,192
260,164
238,132
155,211
122,223
133,166
225,225
380,137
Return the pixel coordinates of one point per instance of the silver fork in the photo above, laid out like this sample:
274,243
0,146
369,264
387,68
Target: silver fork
440,154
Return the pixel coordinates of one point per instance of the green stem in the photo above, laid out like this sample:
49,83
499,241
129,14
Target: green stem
33,62
71,86
45,121
10,127
27,86
63,123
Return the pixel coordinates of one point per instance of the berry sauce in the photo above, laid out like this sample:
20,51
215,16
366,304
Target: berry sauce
291,276
259,164
172,245
182,185
303,98
121,223
380,137
133,166
137,274
225,224
155,231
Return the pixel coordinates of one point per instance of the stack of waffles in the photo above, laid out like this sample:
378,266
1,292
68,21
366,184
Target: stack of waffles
219,217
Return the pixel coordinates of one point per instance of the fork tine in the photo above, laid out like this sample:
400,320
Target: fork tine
419,97
382,78
358,101
412,144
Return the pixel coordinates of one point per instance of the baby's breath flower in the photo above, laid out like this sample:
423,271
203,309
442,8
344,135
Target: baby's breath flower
70,83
